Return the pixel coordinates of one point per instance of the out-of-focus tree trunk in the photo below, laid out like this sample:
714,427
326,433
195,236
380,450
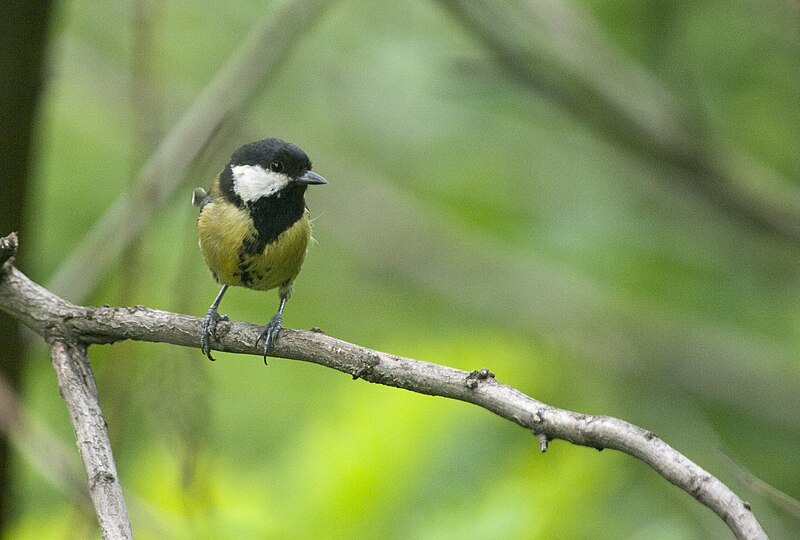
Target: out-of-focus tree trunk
23,35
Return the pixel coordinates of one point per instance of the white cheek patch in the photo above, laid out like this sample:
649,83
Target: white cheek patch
251,182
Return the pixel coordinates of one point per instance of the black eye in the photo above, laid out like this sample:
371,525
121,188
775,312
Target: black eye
276,166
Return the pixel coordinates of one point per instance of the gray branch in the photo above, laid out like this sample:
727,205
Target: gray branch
76,385
42,311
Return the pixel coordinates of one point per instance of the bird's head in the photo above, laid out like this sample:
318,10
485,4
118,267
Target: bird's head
266,168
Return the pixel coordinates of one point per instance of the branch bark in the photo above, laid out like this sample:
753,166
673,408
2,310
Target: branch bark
77,386
81,326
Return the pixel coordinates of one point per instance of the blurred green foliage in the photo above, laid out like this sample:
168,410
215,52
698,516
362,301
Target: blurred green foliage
469,221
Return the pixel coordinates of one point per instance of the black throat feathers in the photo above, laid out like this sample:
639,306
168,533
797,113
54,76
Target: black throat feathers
273,215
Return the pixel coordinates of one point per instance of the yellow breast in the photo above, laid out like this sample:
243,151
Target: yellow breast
224,227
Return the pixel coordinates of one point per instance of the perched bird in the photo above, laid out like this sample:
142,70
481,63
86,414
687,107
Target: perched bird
254,226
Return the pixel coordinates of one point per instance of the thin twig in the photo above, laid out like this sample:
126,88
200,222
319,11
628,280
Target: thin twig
8,251
778,497
41,310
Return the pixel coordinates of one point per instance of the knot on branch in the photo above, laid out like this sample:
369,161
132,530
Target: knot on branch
476,377
8,252
102,477
543,442
365,371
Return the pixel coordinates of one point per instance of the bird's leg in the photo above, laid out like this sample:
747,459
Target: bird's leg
209,326
270,332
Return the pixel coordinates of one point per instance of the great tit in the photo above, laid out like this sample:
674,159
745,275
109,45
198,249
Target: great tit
254,226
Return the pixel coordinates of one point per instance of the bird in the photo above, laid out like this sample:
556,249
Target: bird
254,227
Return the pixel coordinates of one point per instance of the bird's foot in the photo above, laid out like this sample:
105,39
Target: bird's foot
270,333
208,330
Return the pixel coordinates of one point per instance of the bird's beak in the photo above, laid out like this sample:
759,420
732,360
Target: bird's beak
311,178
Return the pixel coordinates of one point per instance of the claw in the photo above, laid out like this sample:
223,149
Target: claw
270,333
207,330
209,326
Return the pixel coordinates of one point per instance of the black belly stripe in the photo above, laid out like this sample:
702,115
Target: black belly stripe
245,259
271,216
245,274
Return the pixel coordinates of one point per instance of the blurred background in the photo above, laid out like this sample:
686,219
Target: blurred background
598,200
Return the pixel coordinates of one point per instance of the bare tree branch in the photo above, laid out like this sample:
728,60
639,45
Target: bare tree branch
77,387
374,219
52,457
80,326
560,52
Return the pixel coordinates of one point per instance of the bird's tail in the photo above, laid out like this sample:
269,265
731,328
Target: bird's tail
200,198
